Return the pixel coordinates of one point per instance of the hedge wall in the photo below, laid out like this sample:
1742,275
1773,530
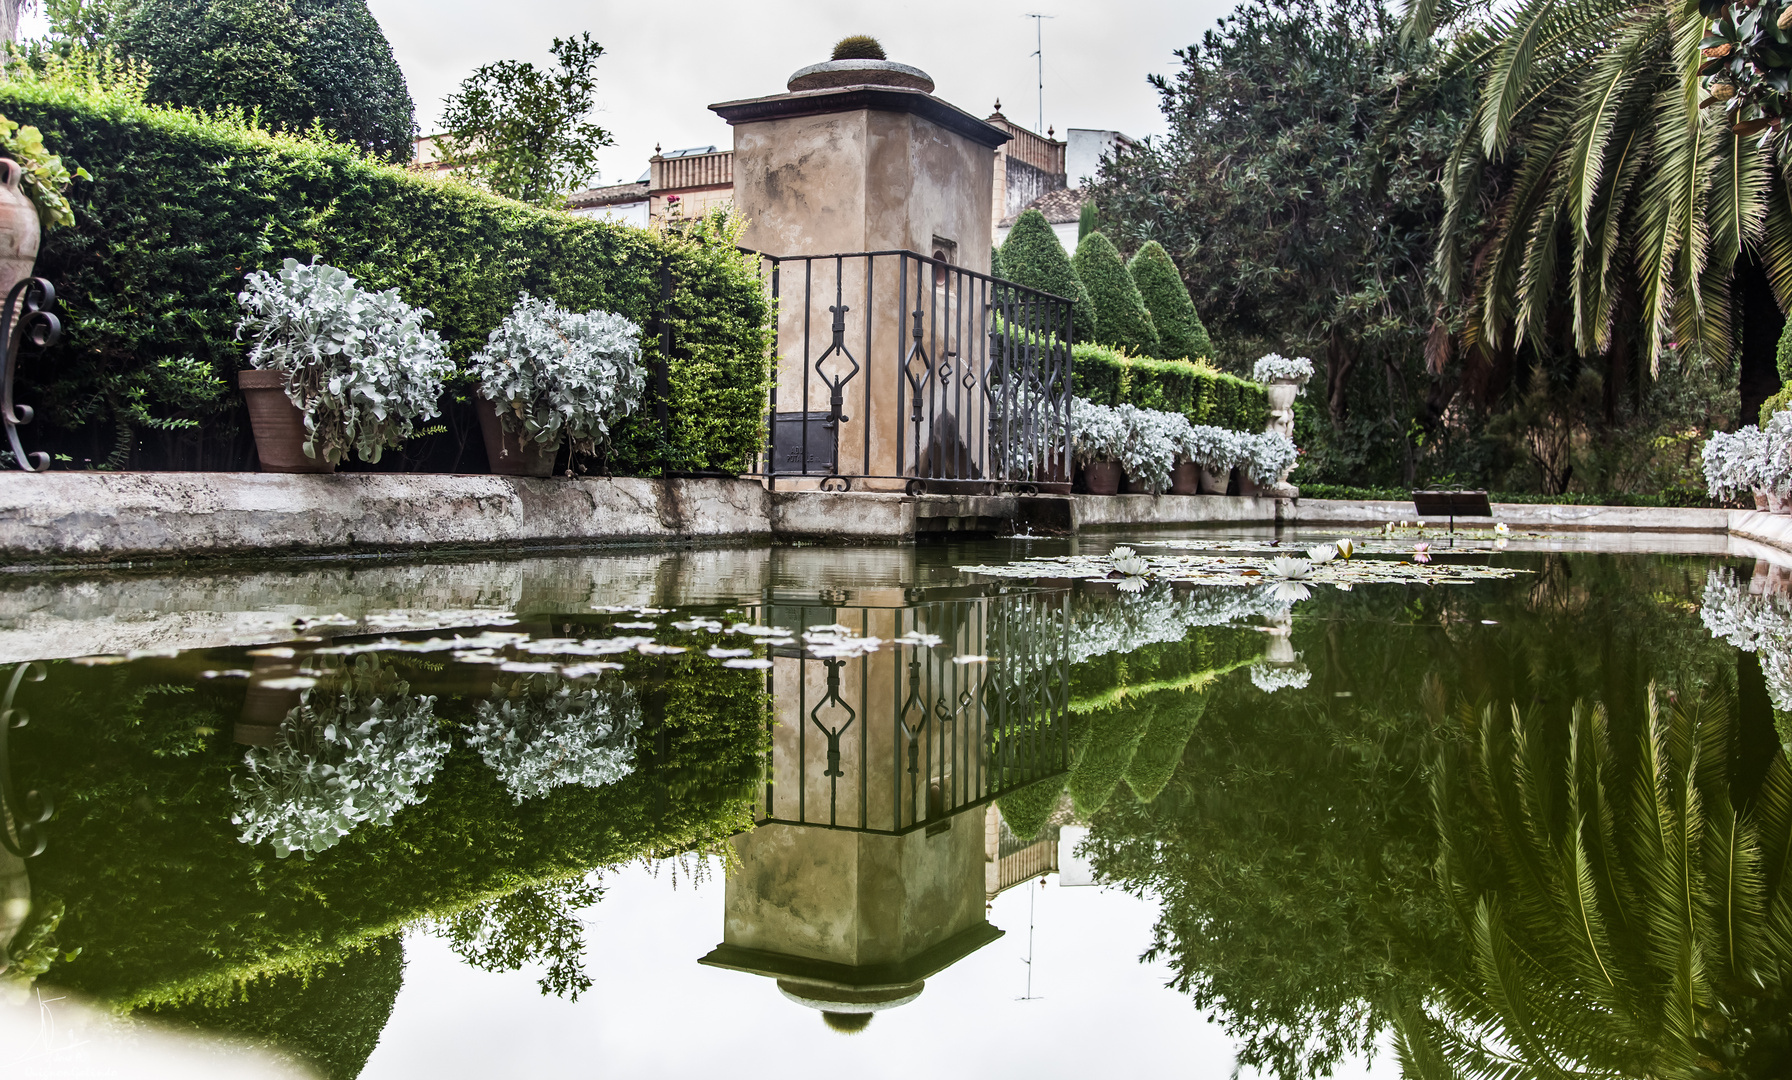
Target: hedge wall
1110,377
182,206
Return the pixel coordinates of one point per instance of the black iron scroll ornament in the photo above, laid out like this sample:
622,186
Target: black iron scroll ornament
26,318
22,817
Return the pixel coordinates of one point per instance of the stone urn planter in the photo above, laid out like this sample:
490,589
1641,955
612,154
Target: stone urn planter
508,452
278,424
1185,478
1102,477
1282,393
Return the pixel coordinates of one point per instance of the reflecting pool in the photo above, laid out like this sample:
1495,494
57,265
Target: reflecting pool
1447,806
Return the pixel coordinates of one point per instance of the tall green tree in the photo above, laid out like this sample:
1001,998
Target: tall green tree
1121,318
1180,332
1620,209
296,62
1032,256
523,131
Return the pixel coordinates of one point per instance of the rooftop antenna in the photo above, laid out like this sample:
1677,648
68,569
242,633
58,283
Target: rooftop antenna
1032,895
1039,39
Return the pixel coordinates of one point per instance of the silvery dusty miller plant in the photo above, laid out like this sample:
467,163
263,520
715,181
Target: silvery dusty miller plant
1270,456
1734,461
358,364
1273,366
1152,437
1215,449
546,733
358,748
1752,623
1097,432
560,376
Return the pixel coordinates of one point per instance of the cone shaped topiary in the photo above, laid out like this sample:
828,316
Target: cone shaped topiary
1032,256
1026,811
995,262
1121,319
1160,751
1113,737
1180,333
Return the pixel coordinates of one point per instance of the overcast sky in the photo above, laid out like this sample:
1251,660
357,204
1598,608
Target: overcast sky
665,64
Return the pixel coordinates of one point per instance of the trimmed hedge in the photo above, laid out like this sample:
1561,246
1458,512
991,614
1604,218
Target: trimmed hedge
1120,316
183,206
1032,256
1181,334
1110,377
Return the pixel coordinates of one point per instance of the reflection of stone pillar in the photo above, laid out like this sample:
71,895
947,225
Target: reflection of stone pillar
852,923
872,164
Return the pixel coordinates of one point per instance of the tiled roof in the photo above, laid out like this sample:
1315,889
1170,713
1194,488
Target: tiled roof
1060,206
607,196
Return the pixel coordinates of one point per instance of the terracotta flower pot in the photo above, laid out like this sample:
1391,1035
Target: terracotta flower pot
278,424
1102,477
508,453
1129,486
1215,483
1185,478
1760,499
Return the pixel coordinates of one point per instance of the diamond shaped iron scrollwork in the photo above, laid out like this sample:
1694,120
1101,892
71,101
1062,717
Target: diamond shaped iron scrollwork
917,378
837,387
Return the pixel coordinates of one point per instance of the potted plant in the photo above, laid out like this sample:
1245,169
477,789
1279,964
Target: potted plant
32,182
1098,438
549,376
334,367
1149,456
1267,459
1734,463
543,732
1214,452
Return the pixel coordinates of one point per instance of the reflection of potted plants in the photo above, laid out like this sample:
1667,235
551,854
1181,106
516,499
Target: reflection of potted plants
334,367
1098,438
544,733
357,748
548,376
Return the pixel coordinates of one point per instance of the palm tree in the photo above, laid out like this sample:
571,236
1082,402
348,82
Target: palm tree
1618,206
1622,915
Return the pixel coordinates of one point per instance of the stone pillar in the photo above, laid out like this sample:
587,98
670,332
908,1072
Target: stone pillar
859,156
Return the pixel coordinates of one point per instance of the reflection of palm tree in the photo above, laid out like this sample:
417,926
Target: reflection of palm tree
1622,915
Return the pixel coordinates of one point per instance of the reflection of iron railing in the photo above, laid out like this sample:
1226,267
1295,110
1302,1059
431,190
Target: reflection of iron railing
900,367
22,815
905,737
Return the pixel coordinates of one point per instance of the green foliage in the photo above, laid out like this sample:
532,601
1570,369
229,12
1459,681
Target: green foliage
1029,809
536,924
1108,376
1779,402
522,131
858,47
187,205
1782,356
1085,222
1120,316
995,263
1174,715
1180,333
330,1018
43,177
291,62
1032,256
1103,751
166,904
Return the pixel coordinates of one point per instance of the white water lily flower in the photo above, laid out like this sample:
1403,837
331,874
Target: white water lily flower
1289,568
1131,584
1131,565
1290,592
1502,528
1323,553
1346,547
1122,552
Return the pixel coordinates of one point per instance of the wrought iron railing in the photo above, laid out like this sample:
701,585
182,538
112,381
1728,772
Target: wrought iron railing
900,371
909,736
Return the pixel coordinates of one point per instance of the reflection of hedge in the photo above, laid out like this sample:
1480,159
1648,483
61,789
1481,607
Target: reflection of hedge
330,1018
1104,682
1173,719
167,904
1026,811
1103,752
180,208
1206,396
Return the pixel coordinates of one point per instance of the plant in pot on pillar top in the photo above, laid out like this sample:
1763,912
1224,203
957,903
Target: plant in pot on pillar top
334,367
1284,379
548,376
1098,437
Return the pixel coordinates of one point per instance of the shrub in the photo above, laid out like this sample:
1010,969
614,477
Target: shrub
558,375
1108,376
995,263
1180,332
359,365
1032,256
858,47
295,61
1120,316
1097,432
1780,402
1028,809
185,205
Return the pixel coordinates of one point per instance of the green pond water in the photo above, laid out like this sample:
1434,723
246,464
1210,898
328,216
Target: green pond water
1013,807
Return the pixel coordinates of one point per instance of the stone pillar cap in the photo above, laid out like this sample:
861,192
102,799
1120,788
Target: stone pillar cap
832,73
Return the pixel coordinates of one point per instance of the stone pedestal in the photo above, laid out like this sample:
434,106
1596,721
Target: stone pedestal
1282,393
873,165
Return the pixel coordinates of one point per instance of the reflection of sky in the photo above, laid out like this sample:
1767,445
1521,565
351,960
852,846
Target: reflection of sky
656,1012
